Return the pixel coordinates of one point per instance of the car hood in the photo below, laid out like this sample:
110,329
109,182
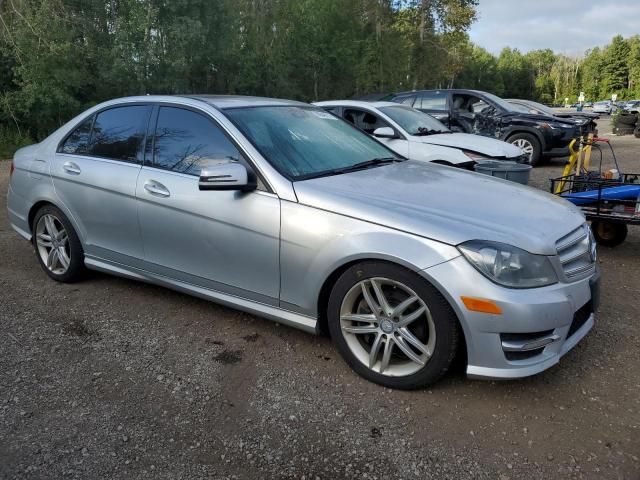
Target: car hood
446,204
589,115
475,143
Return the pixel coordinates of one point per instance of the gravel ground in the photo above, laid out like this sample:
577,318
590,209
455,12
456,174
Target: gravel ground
110,378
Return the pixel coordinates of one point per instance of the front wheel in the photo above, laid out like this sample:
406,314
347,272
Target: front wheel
609,234
391,326
529,144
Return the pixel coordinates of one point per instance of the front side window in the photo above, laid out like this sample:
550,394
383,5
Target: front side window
303,142
188,142
78,141
118,133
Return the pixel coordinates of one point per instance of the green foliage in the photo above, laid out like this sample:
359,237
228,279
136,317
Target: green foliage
11,139
57,57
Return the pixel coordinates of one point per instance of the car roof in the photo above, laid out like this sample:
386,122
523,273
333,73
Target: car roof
220,102
235,101
355,103
452,90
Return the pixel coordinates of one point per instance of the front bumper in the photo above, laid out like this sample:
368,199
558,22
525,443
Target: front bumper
546,322
557,142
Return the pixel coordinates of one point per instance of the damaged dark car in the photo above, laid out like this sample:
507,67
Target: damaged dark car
483,113
586,121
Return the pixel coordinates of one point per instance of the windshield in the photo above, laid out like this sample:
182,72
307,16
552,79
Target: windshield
542,108
503,104
304,142
413,121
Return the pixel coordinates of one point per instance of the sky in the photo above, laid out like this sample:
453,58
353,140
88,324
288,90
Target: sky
565,26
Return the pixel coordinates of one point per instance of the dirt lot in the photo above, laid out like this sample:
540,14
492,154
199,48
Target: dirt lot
111,378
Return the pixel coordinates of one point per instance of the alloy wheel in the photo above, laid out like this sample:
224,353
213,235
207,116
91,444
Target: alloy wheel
52,242
387,327
525,145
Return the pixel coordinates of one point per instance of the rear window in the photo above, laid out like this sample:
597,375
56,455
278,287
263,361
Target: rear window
432,101
78,141
118,133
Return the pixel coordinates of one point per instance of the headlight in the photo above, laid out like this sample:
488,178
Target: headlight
507,265
475,156
555,126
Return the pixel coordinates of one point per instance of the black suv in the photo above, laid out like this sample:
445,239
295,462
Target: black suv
483,113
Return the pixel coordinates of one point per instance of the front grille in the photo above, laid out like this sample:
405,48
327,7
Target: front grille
580,318
576,252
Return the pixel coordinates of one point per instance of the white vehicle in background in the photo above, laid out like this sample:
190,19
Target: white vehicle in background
605,106
632,106
419,136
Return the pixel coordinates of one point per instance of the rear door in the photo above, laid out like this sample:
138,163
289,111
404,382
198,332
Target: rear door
228,241
95,170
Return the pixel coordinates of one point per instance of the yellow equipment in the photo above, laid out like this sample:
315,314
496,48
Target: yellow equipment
578,159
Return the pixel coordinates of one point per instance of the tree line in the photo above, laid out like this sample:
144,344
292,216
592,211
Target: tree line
58,57
551,78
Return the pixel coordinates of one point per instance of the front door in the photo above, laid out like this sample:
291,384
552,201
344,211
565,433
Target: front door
226,241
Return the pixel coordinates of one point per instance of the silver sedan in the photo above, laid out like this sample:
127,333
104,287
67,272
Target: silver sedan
280,209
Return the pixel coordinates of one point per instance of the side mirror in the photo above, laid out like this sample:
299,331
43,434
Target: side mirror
227,176
384,132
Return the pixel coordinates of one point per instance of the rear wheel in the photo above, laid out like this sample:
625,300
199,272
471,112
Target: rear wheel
529,144
609,234
391,326
57,245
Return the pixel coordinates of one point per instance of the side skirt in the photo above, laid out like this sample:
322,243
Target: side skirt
296,320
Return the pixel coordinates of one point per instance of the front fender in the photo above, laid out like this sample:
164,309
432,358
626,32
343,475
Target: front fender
542,138
315,243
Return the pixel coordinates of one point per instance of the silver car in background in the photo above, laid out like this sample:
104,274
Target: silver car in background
605,106
281,209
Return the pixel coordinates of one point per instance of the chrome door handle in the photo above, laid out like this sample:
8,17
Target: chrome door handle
156,188
71,167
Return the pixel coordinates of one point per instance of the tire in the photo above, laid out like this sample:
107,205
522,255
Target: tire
530,144
627,119
60,255
435,326
609,234
636,132
624,130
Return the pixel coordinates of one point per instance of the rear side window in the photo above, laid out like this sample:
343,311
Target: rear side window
78,141
118,133
187,142
432,101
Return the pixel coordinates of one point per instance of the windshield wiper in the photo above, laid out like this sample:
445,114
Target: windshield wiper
352,168
423,131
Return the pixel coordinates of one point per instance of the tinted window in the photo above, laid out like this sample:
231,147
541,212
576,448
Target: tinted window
78,141
118,133
432,101
187,142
